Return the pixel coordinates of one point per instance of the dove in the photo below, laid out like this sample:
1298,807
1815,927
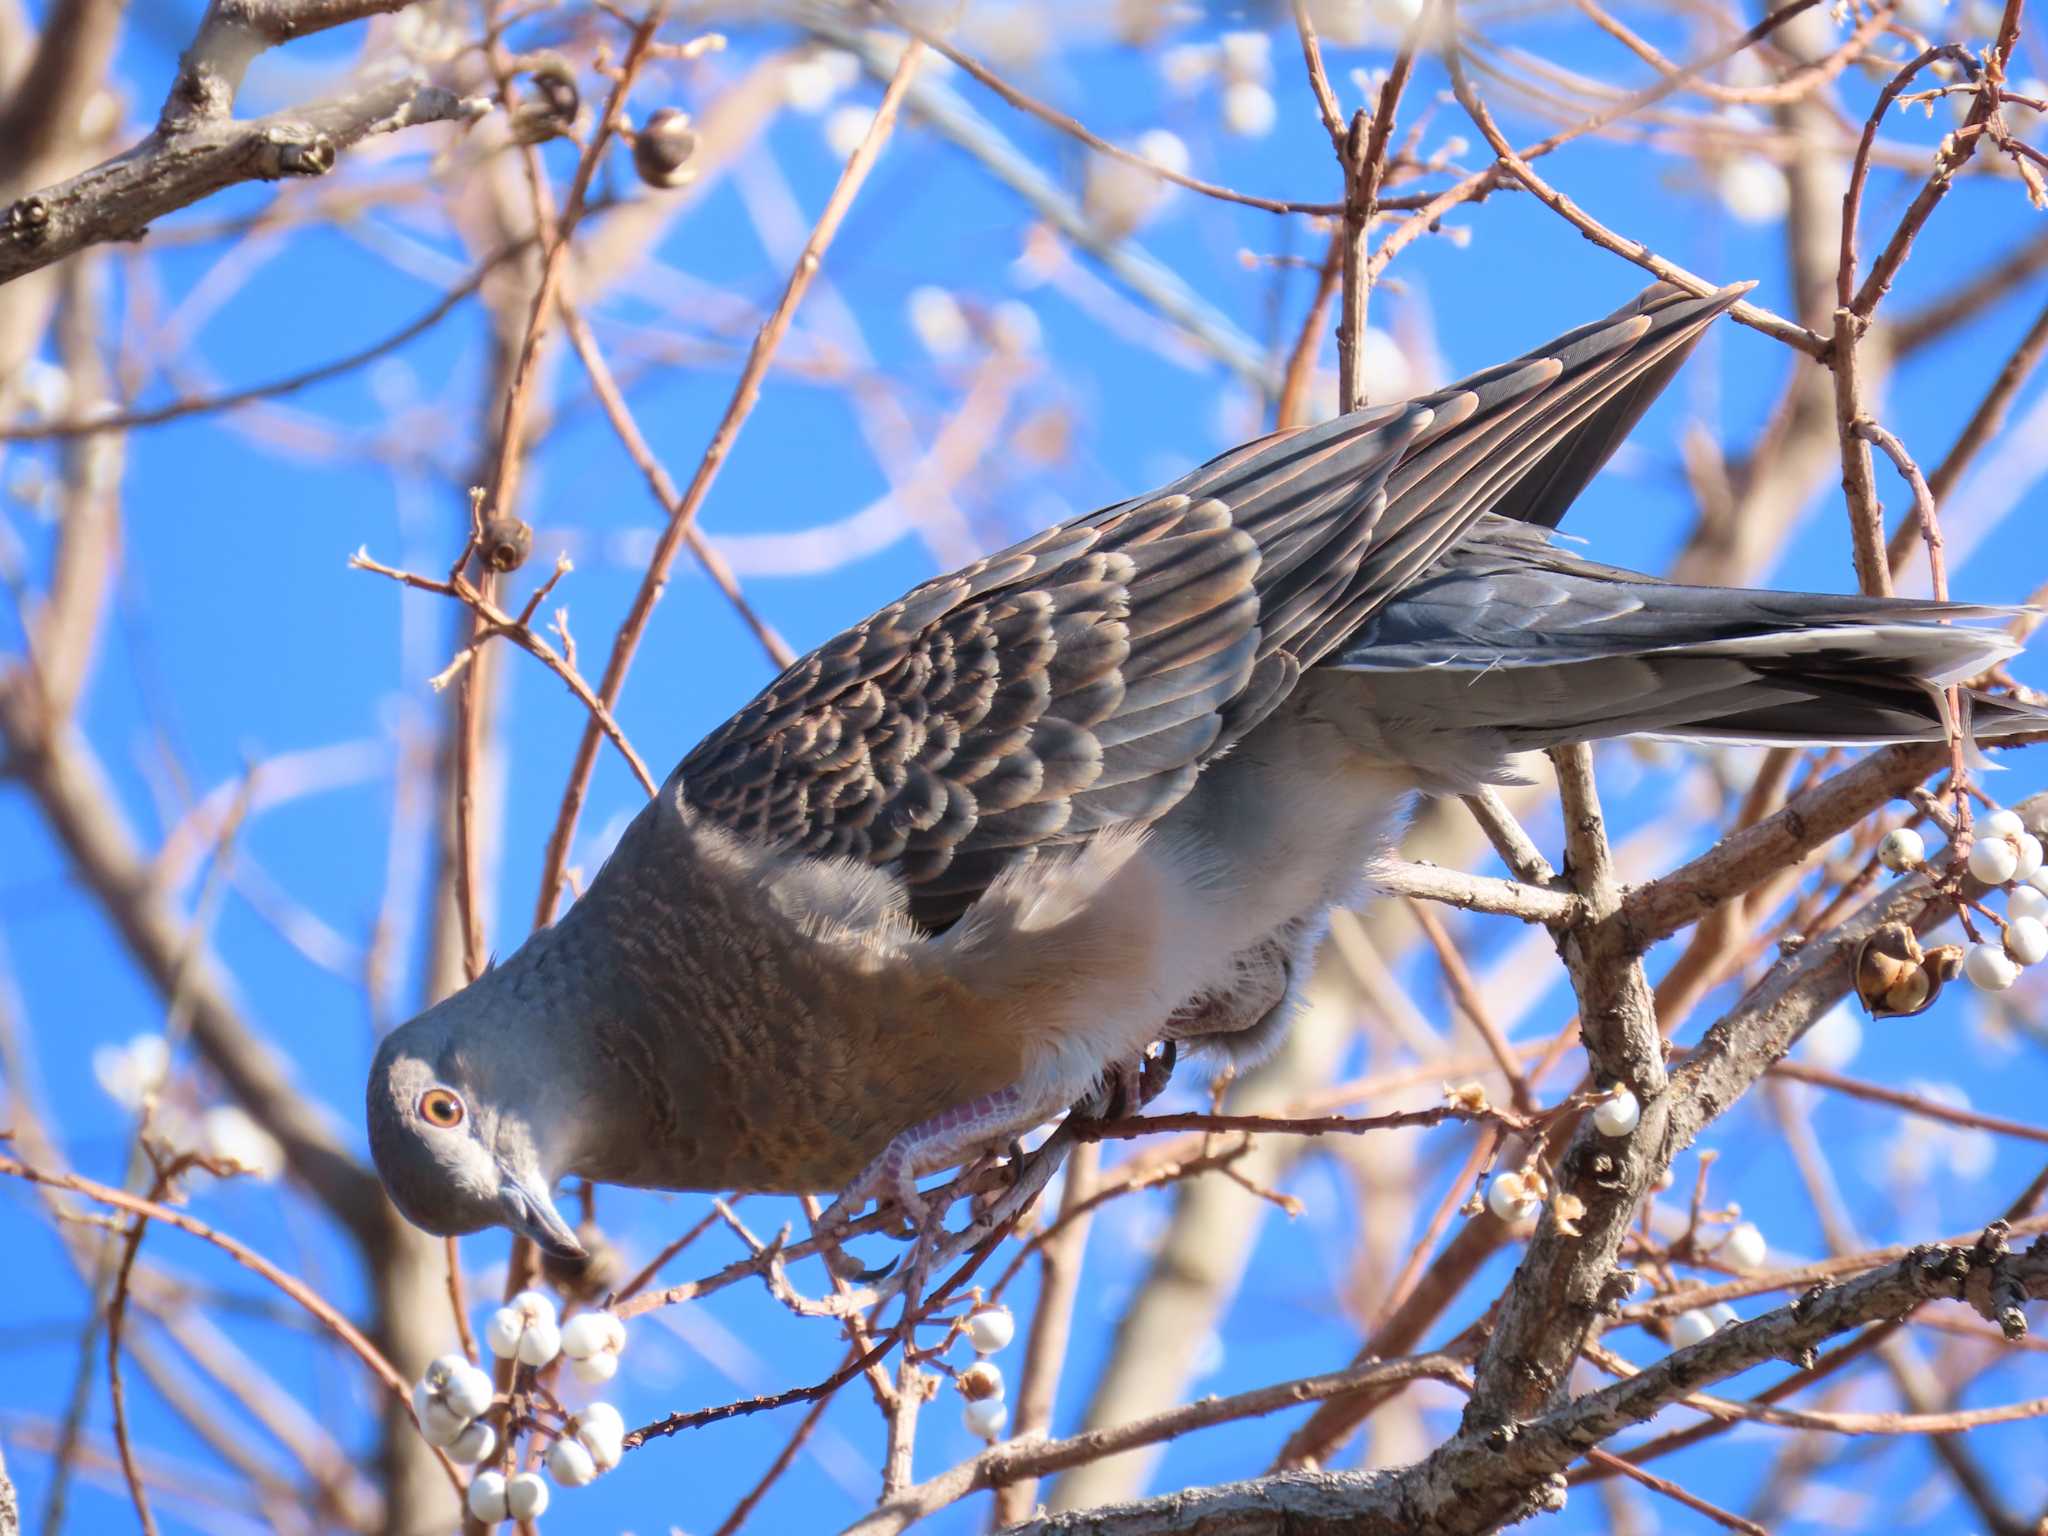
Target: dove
963,865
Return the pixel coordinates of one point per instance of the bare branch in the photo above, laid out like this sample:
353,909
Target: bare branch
119,198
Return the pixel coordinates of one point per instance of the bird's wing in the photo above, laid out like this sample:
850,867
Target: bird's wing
1080,680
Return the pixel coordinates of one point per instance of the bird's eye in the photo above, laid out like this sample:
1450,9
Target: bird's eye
442,1107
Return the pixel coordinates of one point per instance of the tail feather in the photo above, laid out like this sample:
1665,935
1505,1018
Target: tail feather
1533,647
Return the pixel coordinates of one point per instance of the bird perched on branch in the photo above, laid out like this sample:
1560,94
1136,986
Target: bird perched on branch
964,862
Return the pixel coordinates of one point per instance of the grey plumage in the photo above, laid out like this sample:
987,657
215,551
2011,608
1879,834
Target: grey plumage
1103,788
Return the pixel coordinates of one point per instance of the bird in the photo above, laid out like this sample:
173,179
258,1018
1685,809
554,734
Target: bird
965,863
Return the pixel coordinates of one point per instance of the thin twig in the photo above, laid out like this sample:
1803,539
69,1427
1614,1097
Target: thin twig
746,391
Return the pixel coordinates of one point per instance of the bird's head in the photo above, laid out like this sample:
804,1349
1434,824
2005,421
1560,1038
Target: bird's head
457,1146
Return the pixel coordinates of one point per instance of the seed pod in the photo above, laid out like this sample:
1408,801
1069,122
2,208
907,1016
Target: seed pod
662,150
506,542
555,83
1896,977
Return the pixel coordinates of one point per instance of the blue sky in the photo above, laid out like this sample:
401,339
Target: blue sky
239,633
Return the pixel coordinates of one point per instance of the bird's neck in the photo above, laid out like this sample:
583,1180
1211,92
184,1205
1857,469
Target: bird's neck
691,996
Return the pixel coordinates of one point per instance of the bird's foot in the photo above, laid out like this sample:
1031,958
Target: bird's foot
935,1143
1128,1086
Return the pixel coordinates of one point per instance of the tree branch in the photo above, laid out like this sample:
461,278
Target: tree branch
1485,1478
198,148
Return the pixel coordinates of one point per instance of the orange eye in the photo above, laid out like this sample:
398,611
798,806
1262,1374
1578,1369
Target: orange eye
439,1106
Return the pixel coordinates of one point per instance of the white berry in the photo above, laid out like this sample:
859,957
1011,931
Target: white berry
1690,1328
502,1331
570,1464
535,1307
1994,860
541,1342
2026,940
991,1329
1508,1198
986,1418
474,1444
526,1497
592,1333
601,1431
2039,881
596,1369
469,1390
439,1424
1990,968
2030,856
1617,1114
2027,901
1744,1246
606,1450
1722,1315
1902,848
487,1497
2001,823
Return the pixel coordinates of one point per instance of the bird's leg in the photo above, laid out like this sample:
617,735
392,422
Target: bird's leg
934,1143
1246,1017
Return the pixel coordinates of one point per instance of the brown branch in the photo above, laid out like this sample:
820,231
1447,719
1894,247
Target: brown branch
1747,858
613,401
497,624
1772,325
226,400
1984,424
1052,117
1671,1490
746,391
1477,893
1955,151
1486,1477
1291,408
1465,992
59,769
171,169
1016,1459
1566,1279
1045,1349
1278,1125
502,492
243,1255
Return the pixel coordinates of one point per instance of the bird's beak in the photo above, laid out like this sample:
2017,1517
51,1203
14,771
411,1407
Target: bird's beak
529,1211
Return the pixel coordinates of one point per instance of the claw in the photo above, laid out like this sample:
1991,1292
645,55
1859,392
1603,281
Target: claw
1157,1072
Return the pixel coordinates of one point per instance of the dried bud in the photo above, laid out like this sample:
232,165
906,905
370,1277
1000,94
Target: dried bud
662,150
1469,1097
1565,1211
980,1380
507,541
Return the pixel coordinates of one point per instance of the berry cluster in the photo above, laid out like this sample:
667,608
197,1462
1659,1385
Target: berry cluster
2005,853
989,1330
453,1397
